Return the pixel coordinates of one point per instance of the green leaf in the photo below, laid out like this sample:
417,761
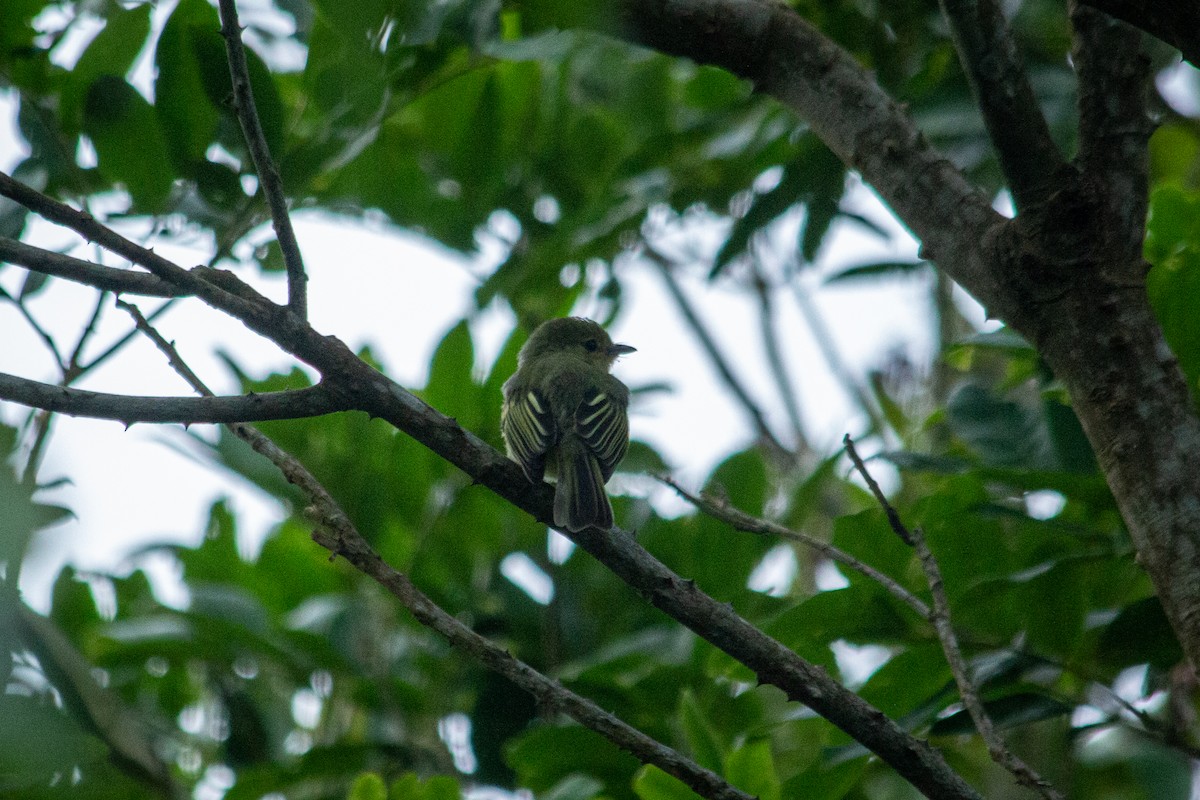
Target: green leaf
877,269
1139,634
184,109
752,768
1002,432
651,783
702,739
452,388
368,786
129,144
1172,285
111,52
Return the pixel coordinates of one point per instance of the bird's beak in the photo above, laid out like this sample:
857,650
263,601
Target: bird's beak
620,350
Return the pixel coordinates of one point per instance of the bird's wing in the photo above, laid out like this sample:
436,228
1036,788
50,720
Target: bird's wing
602,424
529,431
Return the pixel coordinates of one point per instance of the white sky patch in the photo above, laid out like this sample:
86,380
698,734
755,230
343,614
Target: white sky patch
558,547
455,732
858,663
775,573
828,577
1044,504
527,576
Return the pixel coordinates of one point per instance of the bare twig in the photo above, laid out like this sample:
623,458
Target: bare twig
740,520
113,348
264,165
338,535
940,617
37,328
996,745
87,226
893,516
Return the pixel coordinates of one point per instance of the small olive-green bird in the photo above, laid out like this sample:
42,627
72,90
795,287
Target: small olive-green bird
564,416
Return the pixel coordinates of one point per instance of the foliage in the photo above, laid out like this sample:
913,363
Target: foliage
285,673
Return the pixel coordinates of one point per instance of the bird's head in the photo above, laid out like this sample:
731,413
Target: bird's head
574,336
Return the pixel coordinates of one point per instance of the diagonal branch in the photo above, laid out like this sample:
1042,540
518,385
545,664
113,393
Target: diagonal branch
356,384
338,535
87,226
740,520
264,165
312,401
1018,129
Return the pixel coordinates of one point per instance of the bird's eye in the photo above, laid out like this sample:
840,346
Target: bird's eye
591,345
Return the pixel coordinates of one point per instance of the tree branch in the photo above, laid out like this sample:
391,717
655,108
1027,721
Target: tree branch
940,617
1176,22
341,538
1028,156
355,384
740,520
264,165
786,57
312,401
94,231
1114,125
76,269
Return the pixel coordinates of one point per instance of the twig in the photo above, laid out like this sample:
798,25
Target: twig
893,516
338,535
706,340
740,520
112,349
87,226
74,366
264,165
41,332
940,617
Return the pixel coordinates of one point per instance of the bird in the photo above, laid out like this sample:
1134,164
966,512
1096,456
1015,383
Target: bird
565,416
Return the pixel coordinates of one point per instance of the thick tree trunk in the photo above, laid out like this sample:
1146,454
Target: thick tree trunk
1067,273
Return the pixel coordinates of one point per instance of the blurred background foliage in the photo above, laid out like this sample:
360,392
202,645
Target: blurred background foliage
285,675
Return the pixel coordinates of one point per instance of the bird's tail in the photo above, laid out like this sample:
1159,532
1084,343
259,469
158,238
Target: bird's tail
579,498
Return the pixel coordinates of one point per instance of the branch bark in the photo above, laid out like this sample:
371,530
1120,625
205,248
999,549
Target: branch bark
1028,156
260,152
1176,22
109,279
